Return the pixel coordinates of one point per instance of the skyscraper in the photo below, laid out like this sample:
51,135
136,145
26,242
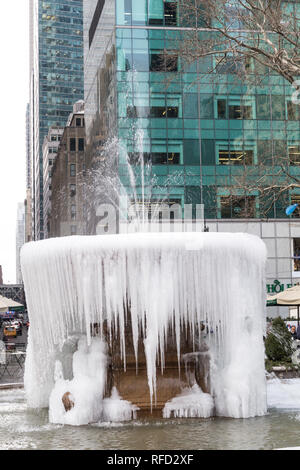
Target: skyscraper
201,126
28,200
56,81
20,239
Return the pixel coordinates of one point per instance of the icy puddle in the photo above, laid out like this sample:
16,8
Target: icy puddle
21,428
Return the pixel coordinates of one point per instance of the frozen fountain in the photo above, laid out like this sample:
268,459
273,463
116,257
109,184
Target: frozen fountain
128,325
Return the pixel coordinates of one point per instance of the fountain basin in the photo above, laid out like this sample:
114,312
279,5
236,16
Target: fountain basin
156,299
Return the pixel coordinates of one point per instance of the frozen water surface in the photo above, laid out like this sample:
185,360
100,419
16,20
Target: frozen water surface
22,428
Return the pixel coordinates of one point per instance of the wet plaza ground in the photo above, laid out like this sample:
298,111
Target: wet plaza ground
21,428
24,429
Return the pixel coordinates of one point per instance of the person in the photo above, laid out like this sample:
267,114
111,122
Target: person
294,332
298,332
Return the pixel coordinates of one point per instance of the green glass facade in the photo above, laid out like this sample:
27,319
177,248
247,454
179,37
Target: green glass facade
60,61
58,78
201,130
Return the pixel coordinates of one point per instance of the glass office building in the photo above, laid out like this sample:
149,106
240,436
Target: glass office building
200,128
56,79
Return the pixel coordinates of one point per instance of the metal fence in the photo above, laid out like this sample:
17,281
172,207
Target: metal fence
12,366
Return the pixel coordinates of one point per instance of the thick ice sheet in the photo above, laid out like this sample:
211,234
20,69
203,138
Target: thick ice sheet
168,279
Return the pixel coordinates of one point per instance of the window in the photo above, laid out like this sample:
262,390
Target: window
230,65
234,14
234,108
78,122
235,157
294,154
154,111
73,169
156,158
157,63
156,12
81,145
158,112
295,199
222,109
162,13
171,63
172,112
73,212
173,158
73,229
160,62
127,11
237,207
170,13
72,190
296,254
293,113
263,107
72,144
278,107
240,112
138,61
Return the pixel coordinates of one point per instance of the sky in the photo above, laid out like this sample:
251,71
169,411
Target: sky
14,86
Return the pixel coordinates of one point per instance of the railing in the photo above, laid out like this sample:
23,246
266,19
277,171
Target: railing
12,366
12,347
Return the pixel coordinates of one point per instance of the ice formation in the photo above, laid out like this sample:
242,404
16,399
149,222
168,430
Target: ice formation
115,409
191,403
283,393
166,280
86,389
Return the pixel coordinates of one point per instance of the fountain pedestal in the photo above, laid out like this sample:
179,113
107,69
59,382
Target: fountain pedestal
132,381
